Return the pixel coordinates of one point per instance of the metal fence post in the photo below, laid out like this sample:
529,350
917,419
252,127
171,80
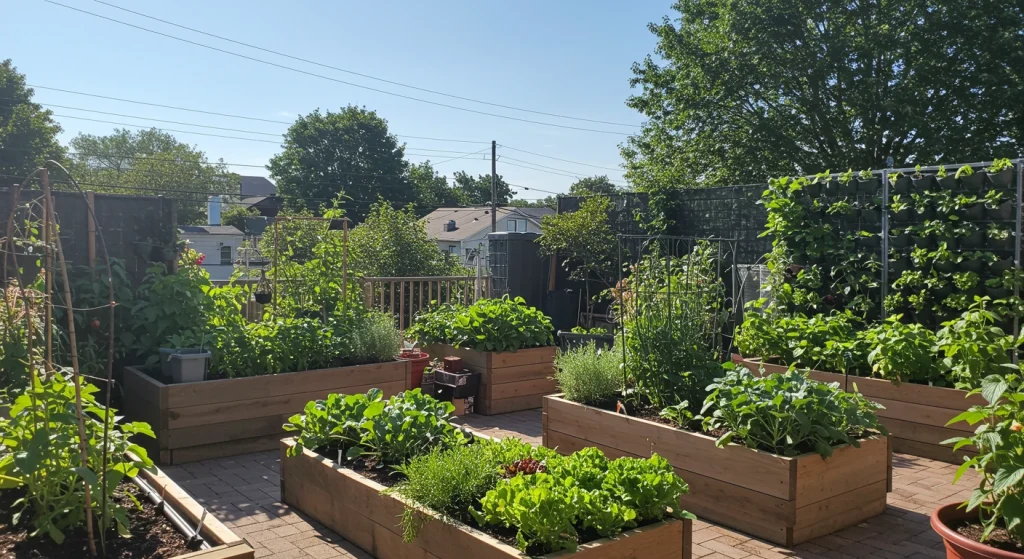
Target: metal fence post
885,240
1019,167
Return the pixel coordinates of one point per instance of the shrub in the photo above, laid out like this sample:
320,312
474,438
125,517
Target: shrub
973,347
487,325
902,352
999,438
786,414
42,457
589,375
376,338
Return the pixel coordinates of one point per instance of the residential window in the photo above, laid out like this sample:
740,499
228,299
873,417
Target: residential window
517,225
225,255
453,249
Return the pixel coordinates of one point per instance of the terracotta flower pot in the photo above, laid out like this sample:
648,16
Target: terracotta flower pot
957,546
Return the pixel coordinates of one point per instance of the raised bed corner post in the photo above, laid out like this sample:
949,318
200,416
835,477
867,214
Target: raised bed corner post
885,241
1016,248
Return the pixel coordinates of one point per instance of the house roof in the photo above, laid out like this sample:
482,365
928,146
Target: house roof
471,221
209,229
256,186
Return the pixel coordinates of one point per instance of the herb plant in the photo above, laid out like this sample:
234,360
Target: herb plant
902,352
488,325
589,375
786,414
972,347
999,497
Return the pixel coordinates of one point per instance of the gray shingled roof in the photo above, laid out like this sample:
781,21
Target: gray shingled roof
470,221
210,229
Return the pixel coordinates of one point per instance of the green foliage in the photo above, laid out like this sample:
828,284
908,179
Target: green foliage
26,129
42,457
999,497
126,159
672,311
376,338
17,327
234,215
348,151
972,347
487,325
596,185
381,432
475,191
788,414
736,91
394,243
589,375
824,342
902,352
999,165
432,189
582,491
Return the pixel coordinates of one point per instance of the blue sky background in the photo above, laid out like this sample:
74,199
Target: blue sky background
562,57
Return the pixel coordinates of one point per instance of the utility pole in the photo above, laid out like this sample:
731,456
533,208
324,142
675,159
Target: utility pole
494,186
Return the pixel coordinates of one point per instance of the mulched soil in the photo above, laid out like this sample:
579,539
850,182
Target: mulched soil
972,530
153,536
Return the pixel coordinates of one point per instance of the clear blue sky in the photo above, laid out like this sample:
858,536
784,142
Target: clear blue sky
560,57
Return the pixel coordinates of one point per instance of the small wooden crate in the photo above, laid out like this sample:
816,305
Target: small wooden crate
780,499
509,381
217,418
915,414
355,509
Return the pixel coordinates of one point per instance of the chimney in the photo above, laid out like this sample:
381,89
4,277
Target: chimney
213,210
450,226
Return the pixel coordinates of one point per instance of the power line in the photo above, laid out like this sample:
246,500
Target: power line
460,157
558,159
535,190
227,115
328,66
542,167
321,76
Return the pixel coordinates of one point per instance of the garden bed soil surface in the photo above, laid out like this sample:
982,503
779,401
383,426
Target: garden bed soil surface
153,536
915,414
998,539
226,417
348,500
509,380
784,500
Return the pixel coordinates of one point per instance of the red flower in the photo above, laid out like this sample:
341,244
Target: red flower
199,261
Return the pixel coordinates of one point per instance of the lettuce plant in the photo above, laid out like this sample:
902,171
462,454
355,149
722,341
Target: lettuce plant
487,325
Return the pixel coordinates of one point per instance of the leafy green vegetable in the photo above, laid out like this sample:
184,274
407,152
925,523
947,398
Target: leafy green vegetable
786,414
972,347
487,325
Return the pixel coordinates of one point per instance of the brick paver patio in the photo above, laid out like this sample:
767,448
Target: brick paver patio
242,492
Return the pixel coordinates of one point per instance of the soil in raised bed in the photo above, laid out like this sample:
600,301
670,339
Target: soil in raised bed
999,538
389,477
153,536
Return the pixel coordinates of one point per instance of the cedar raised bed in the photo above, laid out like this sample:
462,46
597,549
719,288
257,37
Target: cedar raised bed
353,506
509,380
779,499
224,544
915,414
217,418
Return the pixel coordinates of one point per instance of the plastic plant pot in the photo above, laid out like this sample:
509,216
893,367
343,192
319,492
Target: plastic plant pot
1000,179
165,357
189,367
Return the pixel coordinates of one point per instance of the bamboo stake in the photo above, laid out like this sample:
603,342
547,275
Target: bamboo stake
78,388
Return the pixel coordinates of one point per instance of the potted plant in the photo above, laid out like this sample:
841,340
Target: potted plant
923,205
970,206
900,183
999,238
996,207
943,259
974,261
991,523
817,186
901,208
969,180
969,235
922,237
995,289
899,238
945,182
998,265
920,180
1000,173
839,208
187,359
847,186
867,182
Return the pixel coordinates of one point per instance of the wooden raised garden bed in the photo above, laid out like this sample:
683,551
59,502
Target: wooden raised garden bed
782,500
915,414
352,506
509,380
216,418
224,544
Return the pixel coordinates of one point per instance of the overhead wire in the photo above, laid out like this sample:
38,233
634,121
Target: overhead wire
354,73
558,158
329,78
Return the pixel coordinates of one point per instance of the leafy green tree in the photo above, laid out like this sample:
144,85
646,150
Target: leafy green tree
739,91
585,243
394,243
547,202
594,185
28,133
129,161
477,190
235,214
432,189
348,151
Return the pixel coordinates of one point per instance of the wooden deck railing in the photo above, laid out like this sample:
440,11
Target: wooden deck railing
404,297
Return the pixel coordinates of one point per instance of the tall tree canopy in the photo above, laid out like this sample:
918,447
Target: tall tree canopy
432,189
135,162
348,151
394,243
28,133
738,91
477,190
594,185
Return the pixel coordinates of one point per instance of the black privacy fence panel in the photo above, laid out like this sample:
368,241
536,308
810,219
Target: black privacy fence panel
730,212
629,211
